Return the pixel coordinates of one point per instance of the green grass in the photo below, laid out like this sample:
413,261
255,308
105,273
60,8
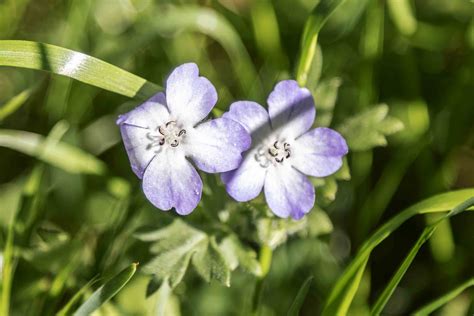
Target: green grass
395,78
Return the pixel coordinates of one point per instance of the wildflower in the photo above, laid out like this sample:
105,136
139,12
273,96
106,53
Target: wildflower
283,151
164,132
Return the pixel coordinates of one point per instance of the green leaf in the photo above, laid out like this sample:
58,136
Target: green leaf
15,103
368,129
315,22
76,65
164,294
274,231
173,247
237,254
325,96
175,20
107,291
300,297
427,233
429,308
210,263
67,309
340,296
59,154
178,244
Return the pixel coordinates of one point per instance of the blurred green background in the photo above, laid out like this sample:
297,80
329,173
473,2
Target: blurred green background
417,57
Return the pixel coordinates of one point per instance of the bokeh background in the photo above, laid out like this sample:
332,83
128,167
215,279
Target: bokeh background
417,57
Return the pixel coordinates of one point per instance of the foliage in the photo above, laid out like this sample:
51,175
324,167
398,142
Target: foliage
394,77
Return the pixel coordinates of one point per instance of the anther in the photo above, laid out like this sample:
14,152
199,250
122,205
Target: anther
175,143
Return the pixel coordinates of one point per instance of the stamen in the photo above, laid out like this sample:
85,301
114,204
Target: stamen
166,134
277,153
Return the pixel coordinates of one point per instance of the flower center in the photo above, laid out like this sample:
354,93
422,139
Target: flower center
275,154
169,133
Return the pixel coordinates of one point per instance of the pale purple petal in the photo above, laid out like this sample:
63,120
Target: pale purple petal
150,114
252,116
246,182
171,181
136,144
291,109
319,152
288,192
189,97
217,145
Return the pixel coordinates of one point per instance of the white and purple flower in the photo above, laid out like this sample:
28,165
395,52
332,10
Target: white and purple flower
164,132
283,151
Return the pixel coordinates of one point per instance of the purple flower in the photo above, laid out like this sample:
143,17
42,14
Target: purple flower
283,151
167,131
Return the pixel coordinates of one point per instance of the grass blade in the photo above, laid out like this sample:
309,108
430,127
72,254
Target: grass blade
8,268
438,203
59,154
76,65
427,233
315,22
15,103
67,309
107,291
211,23
300,297
445,298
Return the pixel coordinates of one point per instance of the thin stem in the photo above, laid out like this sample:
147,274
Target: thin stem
265,260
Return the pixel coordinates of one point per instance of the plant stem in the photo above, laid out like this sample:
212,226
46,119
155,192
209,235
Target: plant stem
265,260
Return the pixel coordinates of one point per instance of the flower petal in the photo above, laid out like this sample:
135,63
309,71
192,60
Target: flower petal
252,116
291,108
288,192
189,97
217,145
171,181
319,152
136,144
150,114
246,182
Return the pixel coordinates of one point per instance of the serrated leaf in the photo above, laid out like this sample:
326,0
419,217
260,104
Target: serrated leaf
274,232
210,263
325,96
319,223
164,294
174,246
368,129
237,254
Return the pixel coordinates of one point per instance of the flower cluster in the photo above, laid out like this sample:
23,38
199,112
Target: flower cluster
252,148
